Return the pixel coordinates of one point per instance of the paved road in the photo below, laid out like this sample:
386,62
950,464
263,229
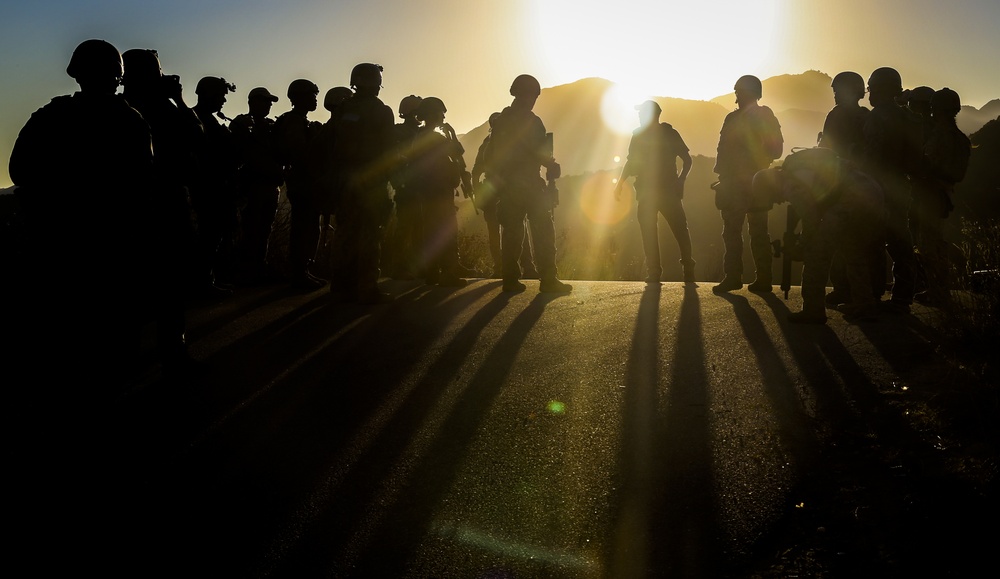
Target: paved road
620,431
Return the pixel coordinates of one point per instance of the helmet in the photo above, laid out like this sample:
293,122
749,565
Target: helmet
141,65
849,82
946,102
493,117
214,86
95,58
367,74
302,87
525,85
408,105
335,96
886,79
429,106
749,84
922,94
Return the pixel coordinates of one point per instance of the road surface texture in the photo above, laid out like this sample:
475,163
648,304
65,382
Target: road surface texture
623,430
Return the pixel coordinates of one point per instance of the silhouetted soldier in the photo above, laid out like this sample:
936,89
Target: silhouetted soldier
843,132
842,210
365,147
517,151
82,164
259,181
435,170
408,236
918,102
652,159
946,158
328,175
749,141
893,143
297,136
176,132
213,191
486,201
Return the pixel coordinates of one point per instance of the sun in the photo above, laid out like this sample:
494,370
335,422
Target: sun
693,50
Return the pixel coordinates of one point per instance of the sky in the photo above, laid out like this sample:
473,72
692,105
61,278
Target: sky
466,52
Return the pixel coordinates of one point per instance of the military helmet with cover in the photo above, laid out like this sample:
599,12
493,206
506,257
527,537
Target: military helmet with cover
886,79
301,87
95,58
409,105
429,106
525,85
749,84
849,82
335,96
367,74
921,94
946,102
214,86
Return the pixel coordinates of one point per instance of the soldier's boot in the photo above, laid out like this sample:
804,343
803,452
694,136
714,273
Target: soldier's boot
688,265
513,285
763,282
729,283
813,309
554,286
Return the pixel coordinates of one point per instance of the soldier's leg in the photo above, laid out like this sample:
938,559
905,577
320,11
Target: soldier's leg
543,238
900,246
527,259
760,248
369,248
511,213
817,255
673,210
646,213
493,236
732,239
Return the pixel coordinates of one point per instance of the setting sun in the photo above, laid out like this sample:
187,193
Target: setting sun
690,50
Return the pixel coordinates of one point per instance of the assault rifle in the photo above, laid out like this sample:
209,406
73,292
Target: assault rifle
468,191
552,170
788,248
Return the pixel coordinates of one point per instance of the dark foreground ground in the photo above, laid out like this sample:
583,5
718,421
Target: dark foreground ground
620,431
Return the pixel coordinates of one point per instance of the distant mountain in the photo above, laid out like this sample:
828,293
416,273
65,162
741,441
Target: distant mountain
971,119
809,91
584,144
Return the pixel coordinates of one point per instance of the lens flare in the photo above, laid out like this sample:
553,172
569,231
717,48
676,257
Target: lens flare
597,199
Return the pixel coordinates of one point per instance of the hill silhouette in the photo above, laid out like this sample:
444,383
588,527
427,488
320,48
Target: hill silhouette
583,143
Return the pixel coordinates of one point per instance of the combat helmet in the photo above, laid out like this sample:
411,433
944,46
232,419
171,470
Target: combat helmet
214,86
429,106
886,79
95,58
525,85
749,84
335,96
946,102
849,82
301,87
409,105
367,74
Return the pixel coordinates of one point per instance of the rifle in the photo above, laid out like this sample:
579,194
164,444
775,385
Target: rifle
552,171
465,177
788,248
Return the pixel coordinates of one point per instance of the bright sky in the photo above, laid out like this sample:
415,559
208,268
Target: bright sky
467,51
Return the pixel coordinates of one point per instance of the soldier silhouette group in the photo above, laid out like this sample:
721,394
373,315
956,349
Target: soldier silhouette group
148,202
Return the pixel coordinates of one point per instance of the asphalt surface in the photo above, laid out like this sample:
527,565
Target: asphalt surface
622,430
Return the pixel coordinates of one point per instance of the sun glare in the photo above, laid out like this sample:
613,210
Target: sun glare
691,50
597,199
